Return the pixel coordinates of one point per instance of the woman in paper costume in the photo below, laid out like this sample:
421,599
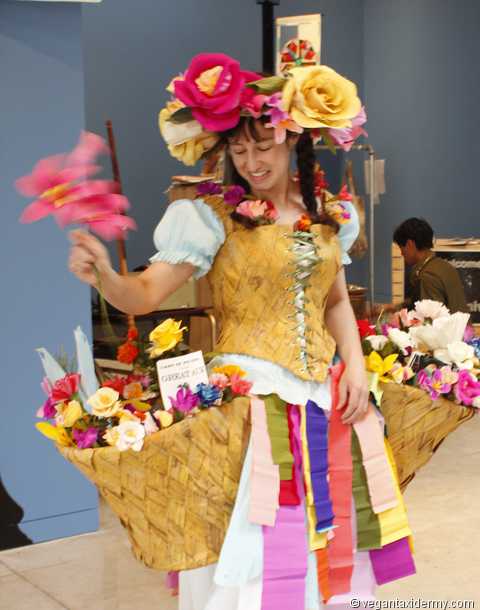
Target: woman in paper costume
318,519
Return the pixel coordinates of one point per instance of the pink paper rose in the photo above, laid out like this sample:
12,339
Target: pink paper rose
214,88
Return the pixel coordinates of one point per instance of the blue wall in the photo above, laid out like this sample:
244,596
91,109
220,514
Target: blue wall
422,91
41,106
125,80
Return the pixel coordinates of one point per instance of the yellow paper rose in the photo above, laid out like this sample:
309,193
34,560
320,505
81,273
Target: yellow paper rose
72,413
164,418
165,337
188,141
229,370
105,402
317,96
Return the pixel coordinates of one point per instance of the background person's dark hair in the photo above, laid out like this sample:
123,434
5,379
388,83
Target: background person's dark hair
416,229
305,164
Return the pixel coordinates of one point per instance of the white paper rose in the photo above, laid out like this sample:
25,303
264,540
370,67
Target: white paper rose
130,436
458,353
400,338
377,342
442,331
430,309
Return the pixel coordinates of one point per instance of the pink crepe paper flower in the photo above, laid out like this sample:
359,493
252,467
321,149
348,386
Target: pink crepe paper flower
257,209
346,137
62,190
65,388
185,400
86,439
47,410
467,387
239,385
280,120
435,384
344,195
254,105
217,109
219,380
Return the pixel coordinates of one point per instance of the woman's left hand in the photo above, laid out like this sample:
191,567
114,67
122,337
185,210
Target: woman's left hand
353,394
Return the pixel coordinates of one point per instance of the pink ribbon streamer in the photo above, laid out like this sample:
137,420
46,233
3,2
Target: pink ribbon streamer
285,546
381,487
265,475
393,561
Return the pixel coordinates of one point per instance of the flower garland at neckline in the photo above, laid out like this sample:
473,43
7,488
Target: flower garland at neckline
260,212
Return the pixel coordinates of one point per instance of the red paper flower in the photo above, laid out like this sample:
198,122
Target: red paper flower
127,353
365,328
65,388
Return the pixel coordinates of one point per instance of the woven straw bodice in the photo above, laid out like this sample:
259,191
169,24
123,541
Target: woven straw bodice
270,288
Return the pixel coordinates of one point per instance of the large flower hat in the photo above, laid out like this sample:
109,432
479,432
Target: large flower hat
214,93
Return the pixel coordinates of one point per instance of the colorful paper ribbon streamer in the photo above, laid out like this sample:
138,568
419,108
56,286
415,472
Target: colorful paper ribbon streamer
265,478
392,562
380,481
340,549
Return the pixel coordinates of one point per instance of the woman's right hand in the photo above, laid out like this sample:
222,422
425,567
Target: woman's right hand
86,254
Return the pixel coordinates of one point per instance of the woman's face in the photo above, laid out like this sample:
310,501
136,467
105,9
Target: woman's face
261,162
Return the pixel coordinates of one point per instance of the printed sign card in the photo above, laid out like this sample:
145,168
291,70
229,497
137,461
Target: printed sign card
174,372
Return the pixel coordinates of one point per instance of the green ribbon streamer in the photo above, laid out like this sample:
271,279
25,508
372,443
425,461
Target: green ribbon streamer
277,423
369,535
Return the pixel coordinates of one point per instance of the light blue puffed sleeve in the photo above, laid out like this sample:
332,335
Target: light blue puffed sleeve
189,232
348,231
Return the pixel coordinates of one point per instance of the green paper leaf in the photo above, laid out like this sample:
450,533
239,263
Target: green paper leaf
267,86
183,115
328,141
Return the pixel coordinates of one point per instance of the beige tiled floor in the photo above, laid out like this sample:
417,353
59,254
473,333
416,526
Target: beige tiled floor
97,572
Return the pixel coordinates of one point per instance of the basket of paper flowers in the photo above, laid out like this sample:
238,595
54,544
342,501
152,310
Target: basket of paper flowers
169,474
423,368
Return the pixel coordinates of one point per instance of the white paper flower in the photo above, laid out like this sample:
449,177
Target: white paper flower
130,436
442,331
149,424
458,353
430,309
377,342
400,338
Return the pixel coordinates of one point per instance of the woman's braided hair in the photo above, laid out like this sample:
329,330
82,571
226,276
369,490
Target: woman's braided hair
306,162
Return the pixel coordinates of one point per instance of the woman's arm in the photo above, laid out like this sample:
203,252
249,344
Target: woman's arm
340,321
135,295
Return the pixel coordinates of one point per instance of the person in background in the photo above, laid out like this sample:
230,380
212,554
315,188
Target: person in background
431,277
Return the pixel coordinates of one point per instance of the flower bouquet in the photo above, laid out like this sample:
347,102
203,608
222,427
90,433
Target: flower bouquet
424,372
170,472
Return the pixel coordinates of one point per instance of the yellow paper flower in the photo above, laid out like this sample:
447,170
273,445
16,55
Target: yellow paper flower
72,413
105,402
55,433
376,364
188,141
229,370
165,337
317,96
165,418
111,436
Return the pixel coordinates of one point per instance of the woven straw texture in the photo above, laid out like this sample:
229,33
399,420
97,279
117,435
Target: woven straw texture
175,497
416,425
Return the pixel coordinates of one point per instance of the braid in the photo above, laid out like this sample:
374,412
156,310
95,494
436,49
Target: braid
306,161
